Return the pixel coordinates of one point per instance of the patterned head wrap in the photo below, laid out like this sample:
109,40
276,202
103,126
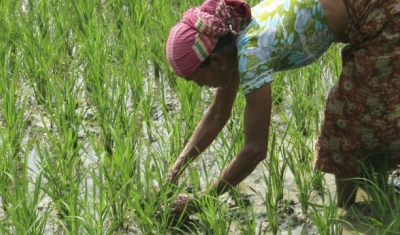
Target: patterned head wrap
192,39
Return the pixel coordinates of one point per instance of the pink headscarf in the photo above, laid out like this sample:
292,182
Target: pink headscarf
192,39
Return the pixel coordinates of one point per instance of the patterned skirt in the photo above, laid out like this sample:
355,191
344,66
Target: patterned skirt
362,115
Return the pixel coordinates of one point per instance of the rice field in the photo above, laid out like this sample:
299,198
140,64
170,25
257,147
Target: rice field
92,117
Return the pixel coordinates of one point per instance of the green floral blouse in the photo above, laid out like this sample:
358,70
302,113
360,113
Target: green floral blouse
283,34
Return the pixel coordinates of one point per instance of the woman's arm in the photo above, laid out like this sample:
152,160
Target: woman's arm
256,128
212,122
254,150
337,14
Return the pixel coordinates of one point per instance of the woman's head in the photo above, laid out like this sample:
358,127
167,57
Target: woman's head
223,46
194,38
220,66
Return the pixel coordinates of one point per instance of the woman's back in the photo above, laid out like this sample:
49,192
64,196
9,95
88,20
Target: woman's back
284,34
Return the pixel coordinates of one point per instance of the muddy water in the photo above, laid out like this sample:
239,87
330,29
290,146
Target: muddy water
252,189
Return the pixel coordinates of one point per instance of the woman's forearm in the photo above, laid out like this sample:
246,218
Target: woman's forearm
212,122
256,128
237,170
204,134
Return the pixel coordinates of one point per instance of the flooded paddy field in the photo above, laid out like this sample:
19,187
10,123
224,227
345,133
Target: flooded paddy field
91,119
249,203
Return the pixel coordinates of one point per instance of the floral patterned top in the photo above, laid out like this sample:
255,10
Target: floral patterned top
283,34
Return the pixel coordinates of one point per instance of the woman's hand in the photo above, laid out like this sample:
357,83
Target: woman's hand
183,206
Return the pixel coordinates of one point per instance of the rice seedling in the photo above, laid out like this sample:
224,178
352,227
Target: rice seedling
245,217
274,181
37,49
14,125
378,211
326,218
25,214
271,205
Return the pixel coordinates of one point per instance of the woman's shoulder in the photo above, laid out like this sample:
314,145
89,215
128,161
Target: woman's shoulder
284,13
281,18
282,7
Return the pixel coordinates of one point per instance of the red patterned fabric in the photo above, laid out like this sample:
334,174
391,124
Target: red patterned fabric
362,116
192,39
